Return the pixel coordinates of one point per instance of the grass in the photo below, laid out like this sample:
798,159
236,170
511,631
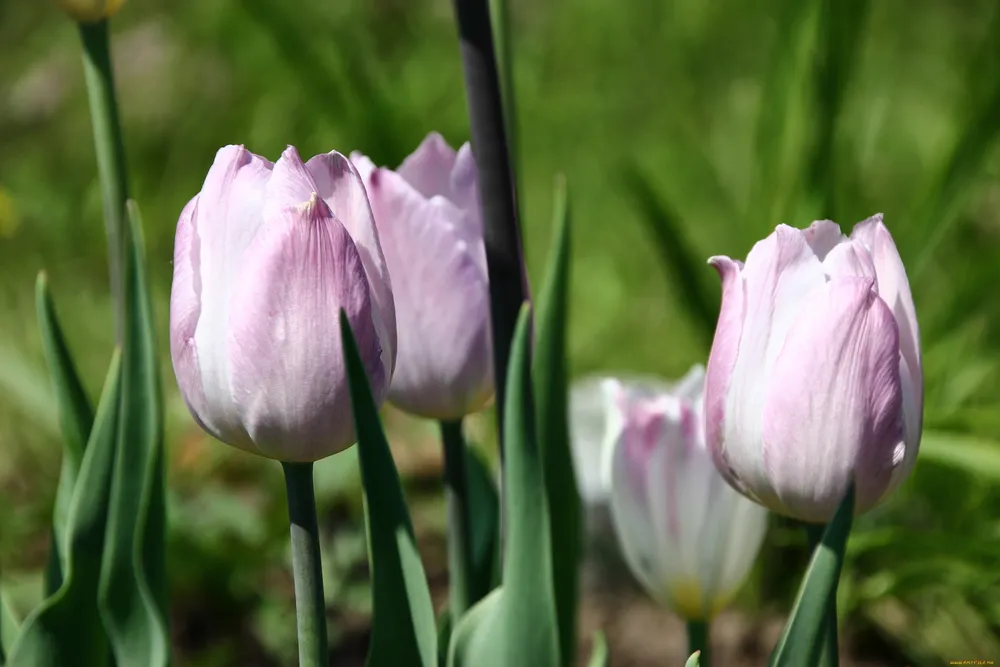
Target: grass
737,117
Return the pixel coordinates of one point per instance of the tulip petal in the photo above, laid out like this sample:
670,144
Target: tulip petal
823,236
287,363
185,309
429,168
722,359
227,219
445,362
894,288
833,409
780,273
291,183
850,259
339,184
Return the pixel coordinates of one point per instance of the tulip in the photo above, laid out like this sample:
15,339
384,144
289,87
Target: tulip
90,11
688,537
265,257
429,221
815,379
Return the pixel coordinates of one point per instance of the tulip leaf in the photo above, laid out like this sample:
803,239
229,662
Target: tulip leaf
516,624
403,630
801,643
598,651
694,660
484,509
133,587
66,628
444,628
549,368
76,416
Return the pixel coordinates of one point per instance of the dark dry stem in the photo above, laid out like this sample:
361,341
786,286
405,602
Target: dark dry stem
307,569
110,151
504,260
461,571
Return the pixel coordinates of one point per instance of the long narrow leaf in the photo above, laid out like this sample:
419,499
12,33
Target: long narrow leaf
66,628
599,651
9,628
802,640
76,416
403,630
133,587
549,368
685,267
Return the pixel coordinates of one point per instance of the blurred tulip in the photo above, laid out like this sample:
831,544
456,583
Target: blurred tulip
815,374
90,11
431,229
264,259
689,538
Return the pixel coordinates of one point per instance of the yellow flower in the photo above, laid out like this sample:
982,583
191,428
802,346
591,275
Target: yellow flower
90,11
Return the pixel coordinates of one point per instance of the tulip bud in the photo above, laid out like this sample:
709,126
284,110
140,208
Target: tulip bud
815,375
431,228
90,11
688,537
265,257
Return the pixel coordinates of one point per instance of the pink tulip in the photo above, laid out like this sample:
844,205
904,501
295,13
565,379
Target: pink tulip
429,222
687,536
815,374
265,257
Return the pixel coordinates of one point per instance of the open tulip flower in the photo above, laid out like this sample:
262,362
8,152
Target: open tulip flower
265,257
815,374
431,229
688,537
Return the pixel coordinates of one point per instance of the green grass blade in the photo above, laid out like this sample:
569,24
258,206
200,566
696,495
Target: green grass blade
403,630
76,416
802,640
133,589
684,266
549,369
66,628
842,26
599,651
694,660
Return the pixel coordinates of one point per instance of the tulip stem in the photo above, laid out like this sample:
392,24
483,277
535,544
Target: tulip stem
829,654
698,641
110,149
307,570
462,587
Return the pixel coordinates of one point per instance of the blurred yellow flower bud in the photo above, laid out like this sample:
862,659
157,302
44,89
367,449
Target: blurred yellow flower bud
90,11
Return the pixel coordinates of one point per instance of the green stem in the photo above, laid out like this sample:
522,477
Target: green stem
310,604
697,632
461,569
110,151
829,654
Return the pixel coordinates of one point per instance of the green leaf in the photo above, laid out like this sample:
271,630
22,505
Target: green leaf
133,587
403,631
484,509
549,368
444,628
9,628
694,660
76,416
684,266
66,628
599,651
802,640
976,456
516,624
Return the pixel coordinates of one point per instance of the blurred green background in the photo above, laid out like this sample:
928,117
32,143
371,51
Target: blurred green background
685,129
